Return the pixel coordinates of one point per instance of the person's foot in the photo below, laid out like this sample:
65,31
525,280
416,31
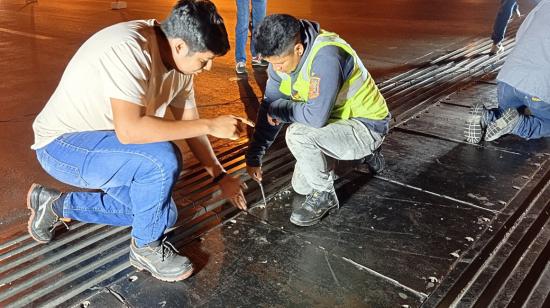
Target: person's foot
504,125
43,219
315,207
374,163
475,125
240,68
162,260
496,48
258,61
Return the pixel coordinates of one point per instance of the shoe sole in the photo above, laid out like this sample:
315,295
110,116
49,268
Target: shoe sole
473,130
312,222
33,213
180,277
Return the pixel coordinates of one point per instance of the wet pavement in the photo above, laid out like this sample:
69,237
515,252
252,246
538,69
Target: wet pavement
402,237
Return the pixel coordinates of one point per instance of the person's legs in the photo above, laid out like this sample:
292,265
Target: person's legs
258,14
314,150
508,118
508,97
241,30
136,183
501,21
537,123
299,181
136,180
115,201
480,117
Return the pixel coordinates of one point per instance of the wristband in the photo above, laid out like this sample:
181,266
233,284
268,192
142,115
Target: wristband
219,177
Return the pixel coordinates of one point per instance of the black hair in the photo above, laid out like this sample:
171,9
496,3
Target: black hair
199,25
276,35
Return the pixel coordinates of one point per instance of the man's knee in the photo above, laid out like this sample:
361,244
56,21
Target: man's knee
163,158
169,156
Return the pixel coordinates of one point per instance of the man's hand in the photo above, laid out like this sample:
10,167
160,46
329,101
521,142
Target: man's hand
232,188
228,126
255,173
272,121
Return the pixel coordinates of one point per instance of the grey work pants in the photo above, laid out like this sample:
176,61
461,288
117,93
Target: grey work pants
317,149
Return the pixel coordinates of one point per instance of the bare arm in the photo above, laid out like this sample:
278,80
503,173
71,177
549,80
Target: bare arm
200,145
201,148
132,126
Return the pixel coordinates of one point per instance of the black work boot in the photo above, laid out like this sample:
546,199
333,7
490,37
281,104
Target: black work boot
316,205
43,218
374,162
162,261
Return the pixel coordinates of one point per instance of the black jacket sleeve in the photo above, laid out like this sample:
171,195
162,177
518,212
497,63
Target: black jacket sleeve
264,133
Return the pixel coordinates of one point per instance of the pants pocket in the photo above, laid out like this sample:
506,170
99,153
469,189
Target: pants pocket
59,170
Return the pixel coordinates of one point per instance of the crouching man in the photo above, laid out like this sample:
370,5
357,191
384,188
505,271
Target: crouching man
523,87
103,129
317,82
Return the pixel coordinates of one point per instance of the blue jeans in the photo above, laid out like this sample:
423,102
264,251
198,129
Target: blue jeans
507,8
135,181
534,125
241,30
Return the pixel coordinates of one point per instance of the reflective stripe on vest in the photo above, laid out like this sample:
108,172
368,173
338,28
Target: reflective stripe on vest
358,97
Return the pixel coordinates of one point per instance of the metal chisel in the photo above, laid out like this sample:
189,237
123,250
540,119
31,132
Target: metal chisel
263,193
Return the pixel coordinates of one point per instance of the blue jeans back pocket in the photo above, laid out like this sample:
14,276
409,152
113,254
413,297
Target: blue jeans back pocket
61,171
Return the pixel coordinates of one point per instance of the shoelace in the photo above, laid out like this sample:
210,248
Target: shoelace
165,249
312,200
59,221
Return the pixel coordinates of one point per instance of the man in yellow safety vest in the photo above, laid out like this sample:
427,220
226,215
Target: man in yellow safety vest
318,83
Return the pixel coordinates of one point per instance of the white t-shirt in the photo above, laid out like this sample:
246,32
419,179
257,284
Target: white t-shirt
123,62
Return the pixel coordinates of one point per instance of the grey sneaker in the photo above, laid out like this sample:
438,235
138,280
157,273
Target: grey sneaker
504,125
474,128
162,261
240,68
315,207
496,49
43,219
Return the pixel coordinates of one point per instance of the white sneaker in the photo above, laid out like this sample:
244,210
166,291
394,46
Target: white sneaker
504,125
240,68
496,48
475,125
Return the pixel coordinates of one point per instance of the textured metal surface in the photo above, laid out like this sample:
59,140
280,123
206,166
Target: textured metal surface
247,262
472,279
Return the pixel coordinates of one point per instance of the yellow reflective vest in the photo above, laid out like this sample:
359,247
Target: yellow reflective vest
359,96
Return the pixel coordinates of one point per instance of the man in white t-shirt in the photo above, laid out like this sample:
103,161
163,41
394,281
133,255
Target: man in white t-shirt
103,129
